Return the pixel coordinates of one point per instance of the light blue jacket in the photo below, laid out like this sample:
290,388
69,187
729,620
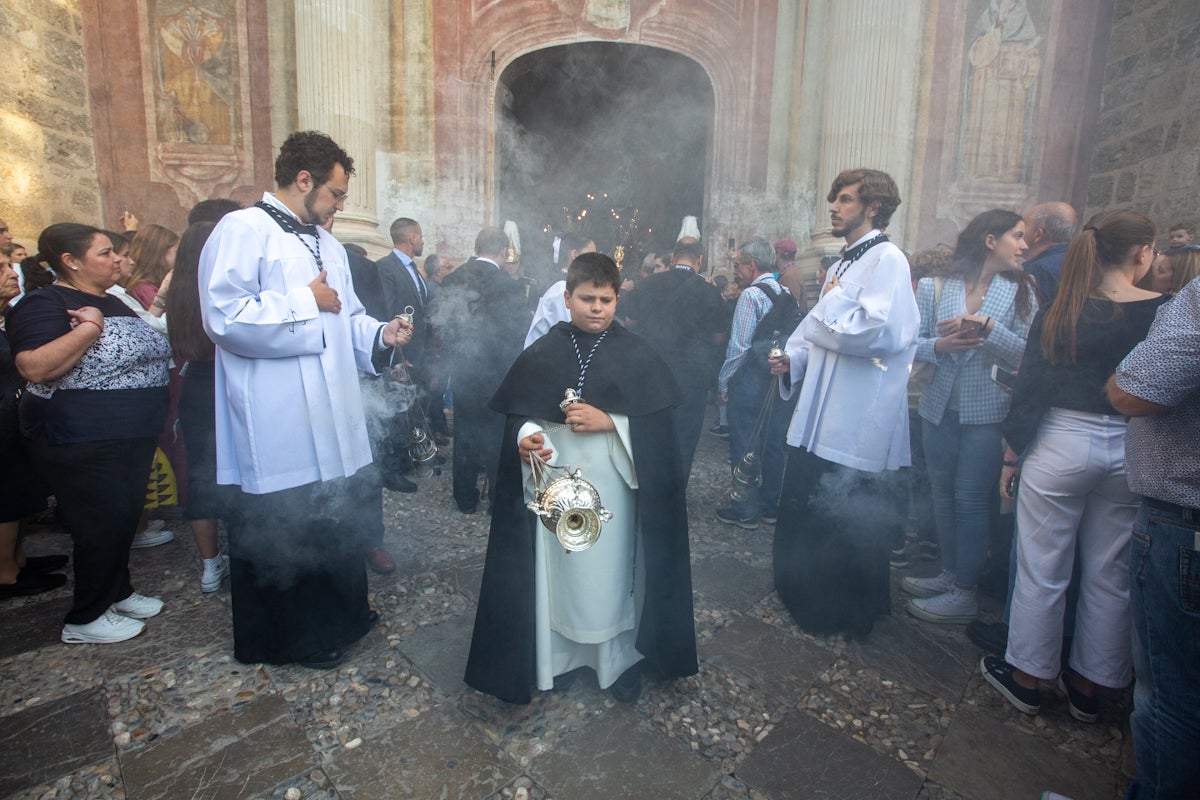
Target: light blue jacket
980,400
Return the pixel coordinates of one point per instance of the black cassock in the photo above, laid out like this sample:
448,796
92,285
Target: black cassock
626,377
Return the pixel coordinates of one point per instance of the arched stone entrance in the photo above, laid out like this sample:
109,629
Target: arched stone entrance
475,42
606,139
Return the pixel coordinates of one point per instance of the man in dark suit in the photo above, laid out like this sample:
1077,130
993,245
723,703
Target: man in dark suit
403,290
684,319
481,320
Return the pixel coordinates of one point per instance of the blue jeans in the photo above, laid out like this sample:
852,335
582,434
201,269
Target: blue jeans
1164,570
963,462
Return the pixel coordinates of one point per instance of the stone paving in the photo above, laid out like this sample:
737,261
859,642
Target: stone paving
774,714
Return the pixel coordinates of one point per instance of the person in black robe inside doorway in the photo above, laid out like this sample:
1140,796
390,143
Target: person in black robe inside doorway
543,611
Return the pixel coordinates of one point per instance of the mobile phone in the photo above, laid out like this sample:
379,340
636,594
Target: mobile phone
732,243
1003,377
971,327
1013,483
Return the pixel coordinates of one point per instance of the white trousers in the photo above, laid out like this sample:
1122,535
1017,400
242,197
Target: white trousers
1073,488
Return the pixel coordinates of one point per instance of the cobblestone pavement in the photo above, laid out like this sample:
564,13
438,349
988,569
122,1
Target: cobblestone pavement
773,714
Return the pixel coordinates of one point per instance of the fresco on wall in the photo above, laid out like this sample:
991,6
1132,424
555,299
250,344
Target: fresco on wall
195,64
1004,64
1000,71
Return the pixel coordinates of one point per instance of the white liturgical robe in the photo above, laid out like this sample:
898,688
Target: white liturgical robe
288,407
587,603
850,360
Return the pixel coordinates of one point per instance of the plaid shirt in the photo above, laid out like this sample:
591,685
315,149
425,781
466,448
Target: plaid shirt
751,308
968,376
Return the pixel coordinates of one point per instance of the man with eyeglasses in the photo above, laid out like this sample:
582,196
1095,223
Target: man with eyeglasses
291,335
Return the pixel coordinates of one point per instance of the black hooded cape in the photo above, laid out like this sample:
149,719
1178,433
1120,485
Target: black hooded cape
625,377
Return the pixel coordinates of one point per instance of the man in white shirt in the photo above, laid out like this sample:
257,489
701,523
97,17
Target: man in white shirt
277,300
552,309
849,360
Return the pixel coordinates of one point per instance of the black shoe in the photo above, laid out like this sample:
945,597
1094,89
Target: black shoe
372,618
45,563
770,517
898,558
325,659
398,483
999,673
990,637
1083,708
628,687
728,516
29,583
719,431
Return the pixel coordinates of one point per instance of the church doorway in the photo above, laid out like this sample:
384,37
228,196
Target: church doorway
605,139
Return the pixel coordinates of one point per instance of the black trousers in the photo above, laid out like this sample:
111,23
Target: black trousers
477,434
830,551
101,489
297,577
689,423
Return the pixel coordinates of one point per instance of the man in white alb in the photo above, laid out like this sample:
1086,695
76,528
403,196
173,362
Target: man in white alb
849,360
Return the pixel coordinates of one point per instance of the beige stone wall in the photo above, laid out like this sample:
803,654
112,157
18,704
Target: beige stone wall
47,159
1147,152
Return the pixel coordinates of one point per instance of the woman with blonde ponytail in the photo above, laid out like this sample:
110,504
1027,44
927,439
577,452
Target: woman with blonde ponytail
1066,445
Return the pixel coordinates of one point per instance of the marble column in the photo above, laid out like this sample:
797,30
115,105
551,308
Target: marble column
335,93
871,82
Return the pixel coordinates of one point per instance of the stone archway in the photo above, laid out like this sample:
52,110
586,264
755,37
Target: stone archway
476,41
607,139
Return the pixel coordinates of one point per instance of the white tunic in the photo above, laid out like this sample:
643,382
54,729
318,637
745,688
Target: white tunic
587,603
288,407
551,310
854,352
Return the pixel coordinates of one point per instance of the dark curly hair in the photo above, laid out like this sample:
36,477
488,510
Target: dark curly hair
312,151
874,186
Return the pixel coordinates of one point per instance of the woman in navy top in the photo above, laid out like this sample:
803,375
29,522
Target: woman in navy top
1066,443
95,402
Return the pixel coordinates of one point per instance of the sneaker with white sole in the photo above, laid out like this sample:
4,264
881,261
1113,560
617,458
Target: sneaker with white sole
108,628
138,606
928,587
999,673
154,535
214,571
955,607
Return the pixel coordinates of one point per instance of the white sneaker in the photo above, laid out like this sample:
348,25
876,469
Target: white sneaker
215,570
928,587
108,628
154,535
138,606
955,607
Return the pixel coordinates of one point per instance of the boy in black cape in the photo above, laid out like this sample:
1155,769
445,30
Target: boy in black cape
544,611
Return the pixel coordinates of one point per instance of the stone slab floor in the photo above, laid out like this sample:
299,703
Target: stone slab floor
774,714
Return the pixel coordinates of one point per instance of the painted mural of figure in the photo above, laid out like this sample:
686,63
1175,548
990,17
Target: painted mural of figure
192,60
1004,63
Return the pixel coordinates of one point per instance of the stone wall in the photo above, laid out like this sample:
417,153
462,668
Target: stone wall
47,160
1147,152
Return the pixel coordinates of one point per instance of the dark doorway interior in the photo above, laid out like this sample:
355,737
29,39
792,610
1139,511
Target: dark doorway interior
610,140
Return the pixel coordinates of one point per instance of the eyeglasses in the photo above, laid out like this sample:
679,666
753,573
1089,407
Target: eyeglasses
338,195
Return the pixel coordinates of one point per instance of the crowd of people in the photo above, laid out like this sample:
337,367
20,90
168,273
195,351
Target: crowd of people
274,383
